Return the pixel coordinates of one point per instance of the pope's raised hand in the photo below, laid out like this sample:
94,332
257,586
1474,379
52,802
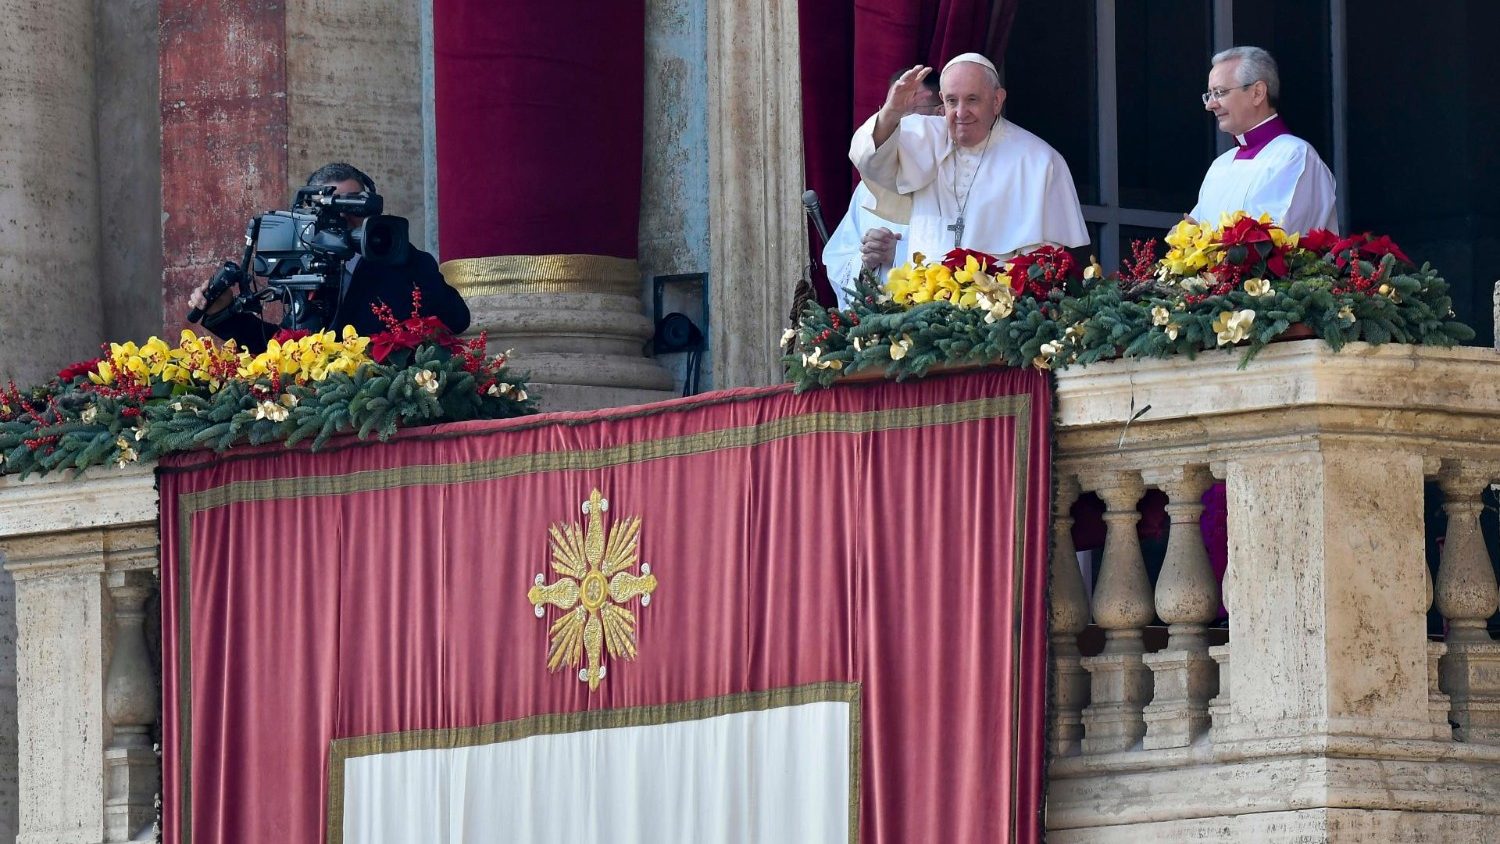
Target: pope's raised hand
900,101
902,98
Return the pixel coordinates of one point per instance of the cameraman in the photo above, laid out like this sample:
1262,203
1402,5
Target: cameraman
365,283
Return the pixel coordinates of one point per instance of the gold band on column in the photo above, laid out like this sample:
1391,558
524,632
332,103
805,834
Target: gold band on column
503,274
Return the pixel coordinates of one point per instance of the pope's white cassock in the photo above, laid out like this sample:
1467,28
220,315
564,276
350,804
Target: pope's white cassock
841,257
1013,195
1270,171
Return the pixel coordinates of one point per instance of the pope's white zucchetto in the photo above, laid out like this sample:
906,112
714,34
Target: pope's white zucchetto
972,59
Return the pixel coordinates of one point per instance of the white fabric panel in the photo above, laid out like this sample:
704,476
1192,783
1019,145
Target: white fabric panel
763,777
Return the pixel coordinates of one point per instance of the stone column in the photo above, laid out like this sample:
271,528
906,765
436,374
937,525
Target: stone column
1187,598
1466,596
574,322
542,240
1327,607
354,93
758,239
1068,613
223,135
49,189
82,553
1120,682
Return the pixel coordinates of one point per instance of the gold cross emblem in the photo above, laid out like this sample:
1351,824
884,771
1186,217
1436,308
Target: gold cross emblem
595,583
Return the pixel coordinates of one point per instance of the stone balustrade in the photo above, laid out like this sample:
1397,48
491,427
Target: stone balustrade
1344,723
83,555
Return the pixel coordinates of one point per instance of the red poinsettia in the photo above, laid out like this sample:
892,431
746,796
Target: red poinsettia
80,369
1318,241
407,334
1367,247
287,335
959,258
1040,271
1250,242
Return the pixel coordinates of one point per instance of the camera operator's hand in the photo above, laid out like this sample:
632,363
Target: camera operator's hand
196,300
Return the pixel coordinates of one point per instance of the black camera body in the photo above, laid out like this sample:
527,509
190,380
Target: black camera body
301,253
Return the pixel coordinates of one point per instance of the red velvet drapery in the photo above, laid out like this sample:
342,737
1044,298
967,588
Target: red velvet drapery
539,116
849,52
894,536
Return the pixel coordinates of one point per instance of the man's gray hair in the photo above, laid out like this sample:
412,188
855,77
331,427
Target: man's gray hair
1255,65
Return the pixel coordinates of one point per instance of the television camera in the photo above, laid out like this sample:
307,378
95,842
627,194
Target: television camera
301,253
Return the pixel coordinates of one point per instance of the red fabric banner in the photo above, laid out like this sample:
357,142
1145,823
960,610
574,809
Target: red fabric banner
539,113
893,536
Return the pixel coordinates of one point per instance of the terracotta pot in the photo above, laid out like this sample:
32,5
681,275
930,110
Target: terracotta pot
1295,331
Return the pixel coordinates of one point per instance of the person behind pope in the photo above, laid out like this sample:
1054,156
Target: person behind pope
1269,170
971,178
862,240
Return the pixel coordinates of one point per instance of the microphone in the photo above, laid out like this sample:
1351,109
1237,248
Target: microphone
815,211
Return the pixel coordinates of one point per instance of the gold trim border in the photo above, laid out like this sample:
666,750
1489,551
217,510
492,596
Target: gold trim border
342,750
503,274
1016,405
702,442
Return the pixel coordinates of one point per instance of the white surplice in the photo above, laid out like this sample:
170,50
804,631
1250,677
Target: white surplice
841,257
1285,179
1022,195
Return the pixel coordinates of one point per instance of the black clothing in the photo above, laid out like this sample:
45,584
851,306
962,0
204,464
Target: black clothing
371,284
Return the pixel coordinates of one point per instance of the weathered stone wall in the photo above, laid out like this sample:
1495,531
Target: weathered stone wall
354,93
129,132
674,184
49,195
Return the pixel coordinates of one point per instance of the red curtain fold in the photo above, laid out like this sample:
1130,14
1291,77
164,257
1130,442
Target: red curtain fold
539,126
848,55
890,535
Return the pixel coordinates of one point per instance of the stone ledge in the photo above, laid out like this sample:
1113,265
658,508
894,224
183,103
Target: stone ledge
1290,784
102,496
1319,825
1283,375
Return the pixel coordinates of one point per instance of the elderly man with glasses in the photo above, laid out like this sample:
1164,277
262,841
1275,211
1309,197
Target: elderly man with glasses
968,179
1269,170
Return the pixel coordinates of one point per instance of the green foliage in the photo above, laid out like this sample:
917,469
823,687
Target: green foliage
1111,319
73,427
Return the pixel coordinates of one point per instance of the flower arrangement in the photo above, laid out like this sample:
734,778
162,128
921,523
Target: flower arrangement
1241,283
140,402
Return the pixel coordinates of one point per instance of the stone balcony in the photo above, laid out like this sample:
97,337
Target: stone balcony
1344,722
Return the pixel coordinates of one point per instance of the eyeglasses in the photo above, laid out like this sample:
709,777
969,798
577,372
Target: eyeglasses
1216,94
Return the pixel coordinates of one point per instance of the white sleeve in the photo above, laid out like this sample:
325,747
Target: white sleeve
1299,194
1062,216
907,161
841,256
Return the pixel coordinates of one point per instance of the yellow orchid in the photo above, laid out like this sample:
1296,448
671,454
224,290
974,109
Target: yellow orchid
1258,287
1233,326
270,410
427,380
1160,315
1346,314
1000,303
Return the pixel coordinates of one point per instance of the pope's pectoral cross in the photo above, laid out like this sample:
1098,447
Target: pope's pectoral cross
958,231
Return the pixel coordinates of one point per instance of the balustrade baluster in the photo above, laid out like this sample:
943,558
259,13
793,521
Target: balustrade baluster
1068,615
131,701
1120,683
1467,596
1187,598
